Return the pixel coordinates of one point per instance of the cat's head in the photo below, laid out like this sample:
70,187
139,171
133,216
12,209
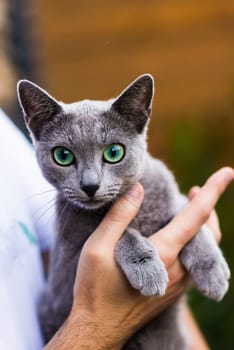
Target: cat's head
91,151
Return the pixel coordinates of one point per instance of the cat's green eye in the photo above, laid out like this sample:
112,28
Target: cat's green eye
62,156
114,153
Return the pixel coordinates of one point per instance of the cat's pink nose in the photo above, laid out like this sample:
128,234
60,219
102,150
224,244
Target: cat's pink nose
90,190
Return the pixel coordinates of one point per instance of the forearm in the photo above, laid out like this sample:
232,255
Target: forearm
196,338
77,334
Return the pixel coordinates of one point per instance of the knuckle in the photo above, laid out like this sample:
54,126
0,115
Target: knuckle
204,212
186,231
94,254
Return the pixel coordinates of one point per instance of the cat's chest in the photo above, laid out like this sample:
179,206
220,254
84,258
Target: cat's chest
78,226
149,222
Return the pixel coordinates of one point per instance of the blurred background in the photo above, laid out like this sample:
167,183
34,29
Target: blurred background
93,49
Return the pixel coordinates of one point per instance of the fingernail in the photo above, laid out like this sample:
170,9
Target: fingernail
134,191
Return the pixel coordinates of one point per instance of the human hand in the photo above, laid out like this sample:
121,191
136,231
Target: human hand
106,309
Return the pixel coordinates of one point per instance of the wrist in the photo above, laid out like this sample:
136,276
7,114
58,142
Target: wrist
93,333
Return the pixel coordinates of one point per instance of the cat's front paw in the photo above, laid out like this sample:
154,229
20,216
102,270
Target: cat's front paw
211,277
148,275
142,265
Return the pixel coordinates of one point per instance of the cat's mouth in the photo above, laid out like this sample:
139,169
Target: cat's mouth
91,203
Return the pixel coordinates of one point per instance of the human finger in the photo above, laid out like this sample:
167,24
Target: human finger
119,216
176,272
213,224
187,223
213,221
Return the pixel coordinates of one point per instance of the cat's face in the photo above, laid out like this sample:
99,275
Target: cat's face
91,151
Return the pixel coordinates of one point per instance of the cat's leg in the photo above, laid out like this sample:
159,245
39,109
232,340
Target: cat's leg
55,304
141,263
204,260
47,318
166,332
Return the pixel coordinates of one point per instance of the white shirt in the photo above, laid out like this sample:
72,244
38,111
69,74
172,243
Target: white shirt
26,225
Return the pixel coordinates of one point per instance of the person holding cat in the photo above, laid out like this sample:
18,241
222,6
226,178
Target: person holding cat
93,153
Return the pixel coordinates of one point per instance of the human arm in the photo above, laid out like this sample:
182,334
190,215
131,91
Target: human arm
197,340
106,310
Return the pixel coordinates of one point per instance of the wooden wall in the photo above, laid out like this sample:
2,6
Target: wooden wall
95,48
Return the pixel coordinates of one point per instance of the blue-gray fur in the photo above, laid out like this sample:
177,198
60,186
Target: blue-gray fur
86,128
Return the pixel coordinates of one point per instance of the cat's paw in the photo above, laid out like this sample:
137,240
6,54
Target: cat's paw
211,277
141,264
147,274
145,271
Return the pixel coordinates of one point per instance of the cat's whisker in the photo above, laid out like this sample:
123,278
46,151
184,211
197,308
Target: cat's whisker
45,211
53,200
40,194
63,211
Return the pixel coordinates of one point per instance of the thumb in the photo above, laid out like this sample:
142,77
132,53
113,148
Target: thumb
119,216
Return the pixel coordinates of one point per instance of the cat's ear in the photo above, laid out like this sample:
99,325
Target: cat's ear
135,102
37,105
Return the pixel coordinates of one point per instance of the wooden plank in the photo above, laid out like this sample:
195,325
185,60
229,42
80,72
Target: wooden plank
93,49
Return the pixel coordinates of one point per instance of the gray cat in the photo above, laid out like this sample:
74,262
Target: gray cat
92,152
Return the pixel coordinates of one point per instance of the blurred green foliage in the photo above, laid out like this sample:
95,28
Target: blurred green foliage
194,147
